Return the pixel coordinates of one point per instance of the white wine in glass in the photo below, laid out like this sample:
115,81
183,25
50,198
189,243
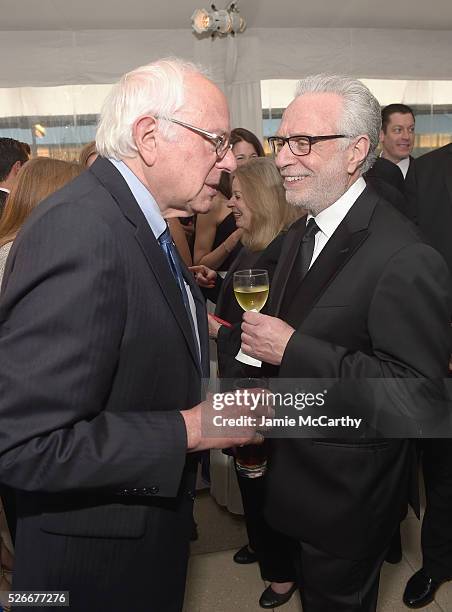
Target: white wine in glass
251,292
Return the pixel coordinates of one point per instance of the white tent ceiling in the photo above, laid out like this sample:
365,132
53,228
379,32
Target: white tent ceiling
149,14
59,42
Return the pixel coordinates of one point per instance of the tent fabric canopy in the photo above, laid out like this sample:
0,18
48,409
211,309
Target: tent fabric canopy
45,58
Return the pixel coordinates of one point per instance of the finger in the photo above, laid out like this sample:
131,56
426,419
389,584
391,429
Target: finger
246,329
258,438
250,330
201,282
243,340
253,318
248,317
246,338
248,350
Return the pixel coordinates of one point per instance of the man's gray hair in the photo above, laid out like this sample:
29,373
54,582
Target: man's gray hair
155,89
361,111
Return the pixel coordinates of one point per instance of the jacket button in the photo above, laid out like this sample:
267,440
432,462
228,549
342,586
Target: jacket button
154,490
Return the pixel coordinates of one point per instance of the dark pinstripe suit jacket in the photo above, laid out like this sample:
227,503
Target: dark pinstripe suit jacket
96,360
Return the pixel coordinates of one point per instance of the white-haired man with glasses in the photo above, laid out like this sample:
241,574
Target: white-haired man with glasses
356,295
103,344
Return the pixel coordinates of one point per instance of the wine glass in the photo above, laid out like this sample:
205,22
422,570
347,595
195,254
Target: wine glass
251,292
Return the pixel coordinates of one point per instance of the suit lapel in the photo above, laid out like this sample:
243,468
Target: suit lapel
159,265
337,251
286,262
201,317
115,184
345,241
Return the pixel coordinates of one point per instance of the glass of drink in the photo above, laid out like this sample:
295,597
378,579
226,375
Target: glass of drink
251,292
251,459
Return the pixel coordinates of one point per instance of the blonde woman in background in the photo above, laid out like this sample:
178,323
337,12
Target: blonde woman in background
37,179
217,240
261,211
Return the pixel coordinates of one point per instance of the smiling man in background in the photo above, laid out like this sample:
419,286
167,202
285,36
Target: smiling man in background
397,135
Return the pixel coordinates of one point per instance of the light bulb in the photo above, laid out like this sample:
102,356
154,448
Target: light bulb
201,21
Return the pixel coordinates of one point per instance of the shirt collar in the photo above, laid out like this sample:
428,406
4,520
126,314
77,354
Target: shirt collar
144,198
328,219
404,164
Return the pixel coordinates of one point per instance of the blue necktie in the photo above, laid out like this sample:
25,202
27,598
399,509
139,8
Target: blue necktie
169,248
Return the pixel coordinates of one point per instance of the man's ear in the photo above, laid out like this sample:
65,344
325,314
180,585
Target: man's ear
144,132
382,136
15,168
358,153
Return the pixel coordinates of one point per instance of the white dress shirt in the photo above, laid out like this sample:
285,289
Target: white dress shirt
404,164
331,217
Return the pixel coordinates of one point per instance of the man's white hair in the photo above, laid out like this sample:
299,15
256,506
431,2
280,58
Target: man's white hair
155,89
361,112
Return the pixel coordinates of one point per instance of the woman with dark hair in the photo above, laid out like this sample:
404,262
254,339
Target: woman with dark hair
217,240
261,211
245,145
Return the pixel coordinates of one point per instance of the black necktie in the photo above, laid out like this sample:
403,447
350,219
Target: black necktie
169,248
307,245
300,266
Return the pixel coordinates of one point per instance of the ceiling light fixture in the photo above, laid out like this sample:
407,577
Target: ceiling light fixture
222,22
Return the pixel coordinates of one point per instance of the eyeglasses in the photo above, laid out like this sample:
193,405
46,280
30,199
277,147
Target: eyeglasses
300,144
221,143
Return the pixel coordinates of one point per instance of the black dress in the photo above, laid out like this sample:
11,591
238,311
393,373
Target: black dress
276,552
224,230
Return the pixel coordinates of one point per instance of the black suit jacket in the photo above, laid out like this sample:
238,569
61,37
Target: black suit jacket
374,304
432,198
387,180
97,359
